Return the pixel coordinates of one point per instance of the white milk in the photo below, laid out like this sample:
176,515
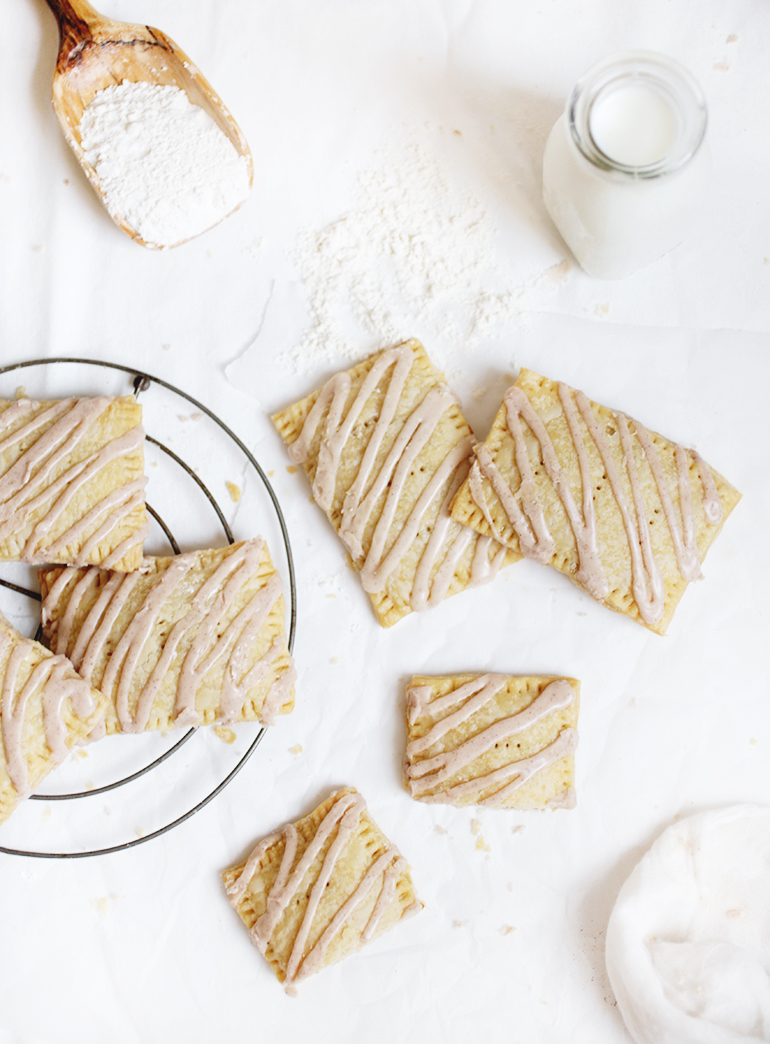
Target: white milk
625,168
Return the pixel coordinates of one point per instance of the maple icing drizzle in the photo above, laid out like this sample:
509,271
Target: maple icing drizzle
204,616
447,538
24,488
526,514
339,823
428,773
49,677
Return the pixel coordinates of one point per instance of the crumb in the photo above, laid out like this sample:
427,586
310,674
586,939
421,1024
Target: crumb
271,473
721,66
334,659
752,741
196,416
459,924
226,735
458,133
182,417
90,785
481,845
66,181
296,749
440,829
46,813
101,905
602,310
107,810
507,929
81,752
291,469
234,491
509,886
139,832
732,914
732,38
475,827
517,829
21,392
166,347
632,703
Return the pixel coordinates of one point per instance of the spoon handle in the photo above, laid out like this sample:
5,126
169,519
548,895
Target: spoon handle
77,21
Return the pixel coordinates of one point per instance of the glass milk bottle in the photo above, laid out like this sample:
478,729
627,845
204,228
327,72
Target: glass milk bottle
626,167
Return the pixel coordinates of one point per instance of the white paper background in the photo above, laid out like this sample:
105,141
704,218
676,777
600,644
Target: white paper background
141,946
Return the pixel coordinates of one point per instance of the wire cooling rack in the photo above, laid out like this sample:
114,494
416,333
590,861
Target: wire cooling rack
153,777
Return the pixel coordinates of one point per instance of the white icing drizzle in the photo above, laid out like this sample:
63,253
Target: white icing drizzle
24,488
428,773
49,676
205,614
367,488
339,823
528,519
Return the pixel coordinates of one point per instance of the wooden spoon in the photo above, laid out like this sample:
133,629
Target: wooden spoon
96,52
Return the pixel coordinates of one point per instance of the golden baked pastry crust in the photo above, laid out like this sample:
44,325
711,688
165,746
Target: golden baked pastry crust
385,447
45,709
320,888
187,640
72,481
492,739
647,548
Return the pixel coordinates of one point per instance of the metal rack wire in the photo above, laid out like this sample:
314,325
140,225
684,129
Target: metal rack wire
143,382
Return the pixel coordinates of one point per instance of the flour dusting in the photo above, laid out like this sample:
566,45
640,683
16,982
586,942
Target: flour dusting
413,256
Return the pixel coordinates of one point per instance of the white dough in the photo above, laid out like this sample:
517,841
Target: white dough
688,942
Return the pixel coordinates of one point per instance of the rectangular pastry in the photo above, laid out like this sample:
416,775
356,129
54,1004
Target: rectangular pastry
45,708
386,447
320,888
72,482
187,640
492,739
627,514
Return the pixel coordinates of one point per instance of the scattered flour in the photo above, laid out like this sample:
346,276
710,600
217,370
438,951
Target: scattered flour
165,167
413,256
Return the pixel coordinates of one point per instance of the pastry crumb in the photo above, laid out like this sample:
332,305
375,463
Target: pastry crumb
234,491
475,827
225,734
517,829
481,845
46,813
166,347
334,659
602,310
291,469
440,829
139,832
732,38
459,924
506,929
101,904
753,741
21,392
90,785
296,749
80,753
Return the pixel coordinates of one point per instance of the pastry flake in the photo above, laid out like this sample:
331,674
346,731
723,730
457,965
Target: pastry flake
320,888
386,447
625,513
492,739
72,482
187,640
45,709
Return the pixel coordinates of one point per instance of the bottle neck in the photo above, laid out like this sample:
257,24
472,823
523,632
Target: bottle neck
637,115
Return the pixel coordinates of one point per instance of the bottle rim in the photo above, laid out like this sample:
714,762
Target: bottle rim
666,76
